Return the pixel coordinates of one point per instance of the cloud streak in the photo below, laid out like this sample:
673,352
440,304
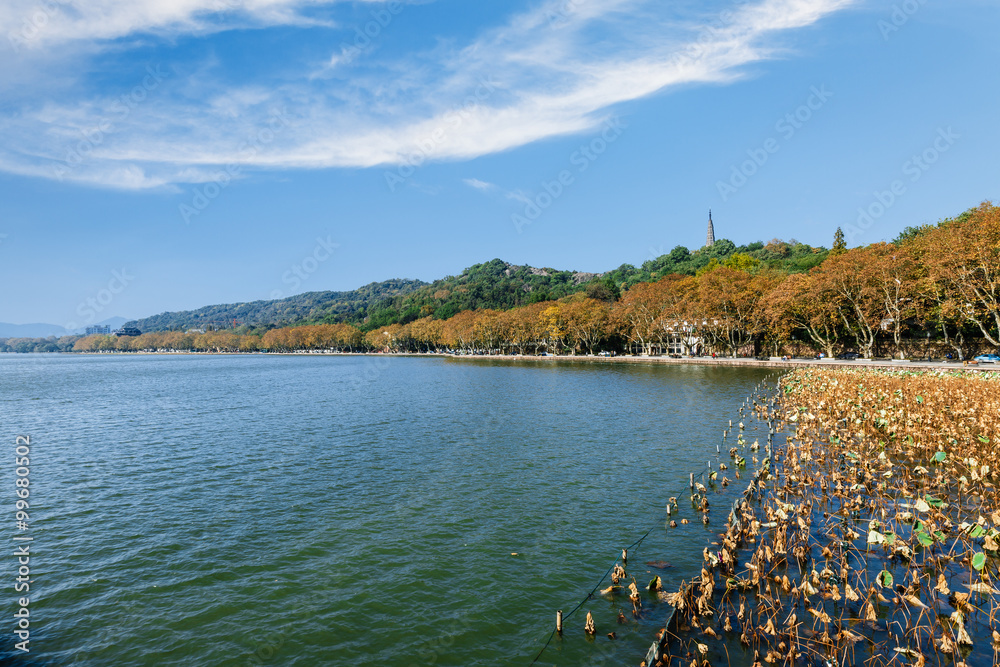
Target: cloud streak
38,24
551,72
482,186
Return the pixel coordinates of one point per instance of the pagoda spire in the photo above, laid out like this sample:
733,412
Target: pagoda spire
710,241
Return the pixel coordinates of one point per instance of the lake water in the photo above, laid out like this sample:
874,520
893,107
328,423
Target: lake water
314,510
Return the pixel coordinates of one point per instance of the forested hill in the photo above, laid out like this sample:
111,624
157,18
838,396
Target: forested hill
495,284
500,285
306,307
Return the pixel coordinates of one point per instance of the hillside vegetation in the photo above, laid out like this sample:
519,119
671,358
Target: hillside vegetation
936,287
309,306
493,285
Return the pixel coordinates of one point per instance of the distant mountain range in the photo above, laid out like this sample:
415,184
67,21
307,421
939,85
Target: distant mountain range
41,330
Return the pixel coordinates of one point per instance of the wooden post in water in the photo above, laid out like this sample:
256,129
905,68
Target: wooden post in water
692,481
624,556
559,621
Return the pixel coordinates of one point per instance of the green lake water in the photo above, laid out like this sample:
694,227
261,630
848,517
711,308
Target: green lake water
314,510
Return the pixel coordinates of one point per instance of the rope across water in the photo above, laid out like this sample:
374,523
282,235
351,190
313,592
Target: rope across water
701,476
637,543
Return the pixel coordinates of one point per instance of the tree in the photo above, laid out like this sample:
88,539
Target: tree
679,254
895,274
798,304
912,233
936,305
178,340
675,295
721,248
459,331
124,343
489,330
85,344
427,333
839,245
249,343
654,315
602,289
636,312
963,255
587,322
846,282
776,249
347,337
525,326
385,339
731,302
712,265
225,341
554,324
275,340
742,262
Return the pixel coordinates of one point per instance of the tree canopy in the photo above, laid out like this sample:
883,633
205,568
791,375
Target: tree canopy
940,281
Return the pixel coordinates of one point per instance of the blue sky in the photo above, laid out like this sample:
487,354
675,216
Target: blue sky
168,154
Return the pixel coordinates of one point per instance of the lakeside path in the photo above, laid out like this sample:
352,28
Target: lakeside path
729,361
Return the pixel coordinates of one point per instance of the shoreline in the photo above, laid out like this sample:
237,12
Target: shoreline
740,361
684,361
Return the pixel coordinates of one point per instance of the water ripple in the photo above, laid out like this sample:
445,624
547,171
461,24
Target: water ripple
346,511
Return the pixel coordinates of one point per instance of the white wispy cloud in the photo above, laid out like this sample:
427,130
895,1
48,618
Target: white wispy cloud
479,185
519,196
38,24
544,73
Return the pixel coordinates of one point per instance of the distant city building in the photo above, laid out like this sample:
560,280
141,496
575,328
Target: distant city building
710,241
127,331
99,329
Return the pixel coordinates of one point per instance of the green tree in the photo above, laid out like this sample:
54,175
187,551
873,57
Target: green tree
721,248
839,245
680,254
602,289
742,262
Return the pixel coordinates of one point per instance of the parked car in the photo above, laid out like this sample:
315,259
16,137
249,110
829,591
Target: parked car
849,355
988,358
